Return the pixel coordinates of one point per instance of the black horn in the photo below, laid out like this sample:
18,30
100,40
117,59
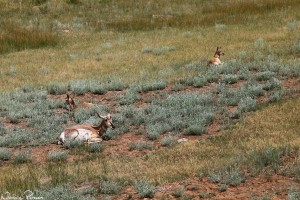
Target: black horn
98,115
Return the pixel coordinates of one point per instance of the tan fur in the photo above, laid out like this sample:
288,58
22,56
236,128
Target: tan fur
70,101
86,105
90,127
96,131
215,60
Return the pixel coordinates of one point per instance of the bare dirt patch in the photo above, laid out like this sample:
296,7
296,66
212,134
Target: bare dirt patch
121,144
275,186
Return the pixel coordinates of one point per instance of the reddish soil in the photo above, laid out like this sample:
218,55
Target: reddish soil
275,186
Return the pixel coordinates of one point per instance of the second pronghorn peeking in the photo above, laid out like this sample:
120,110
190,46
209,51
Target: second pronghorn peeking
70,102
215,60
86,132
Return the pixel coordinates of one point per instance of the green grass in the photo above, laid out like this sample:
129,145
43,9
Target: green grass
140,146
84,53
96,148
57,156
263,133
5,154
16,38
22,157
231,176
109,187
141,47
144,189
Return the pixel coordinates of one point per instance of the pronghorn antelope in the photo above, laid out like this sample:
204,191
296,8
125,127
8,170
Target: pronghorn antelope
70,101
215,60
86,132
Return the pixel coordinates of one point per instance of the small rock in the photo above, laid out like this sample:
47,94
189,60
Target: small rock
181,140
193,188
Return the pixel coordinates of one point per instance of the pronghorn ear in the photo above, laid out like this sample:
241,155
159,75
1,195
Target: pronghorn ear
108,116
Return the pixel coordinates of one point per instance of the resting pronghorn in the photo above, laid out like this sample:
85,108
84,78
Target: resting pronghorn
70,101
86,132
215,60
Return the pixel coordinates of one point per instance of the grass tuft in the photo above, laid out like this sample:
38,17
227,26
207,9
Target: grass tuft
5,154
22,157
231,176
144,189
294,193
141,146
57,156
16,38
110,187
168,141
178,193
96,148
196,130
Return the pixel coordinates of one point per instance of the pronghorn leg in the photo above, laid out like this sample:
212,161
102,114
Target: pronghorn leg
94,140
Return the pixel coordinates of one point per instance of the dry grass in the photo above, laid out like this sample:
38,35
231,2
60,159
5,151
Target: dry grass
275,126
105,55
15,38
105,41
85,54
125,15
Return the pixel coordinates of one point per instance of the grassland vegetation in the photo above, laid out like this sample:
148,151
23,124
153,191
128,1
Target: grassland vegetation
222,187
63,191
199,22
294,193
57,173
140,146
199,81
57,88
74,145
178,193
16,38
268,157
109,187
5,154
196,130
130,97
144,189
247,104
229,79
172,113
107,46
158,51
168,141
207,195
230,176
152,86
96,148
18,182
57,156
22,157
178,87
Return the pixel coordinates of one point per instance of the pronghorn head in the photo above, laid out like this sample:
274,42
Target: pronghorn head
107,121
219,52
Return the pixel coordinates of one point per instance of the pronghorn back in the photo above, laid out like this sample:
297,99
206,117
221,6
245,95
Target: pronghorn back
70,101
86,132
